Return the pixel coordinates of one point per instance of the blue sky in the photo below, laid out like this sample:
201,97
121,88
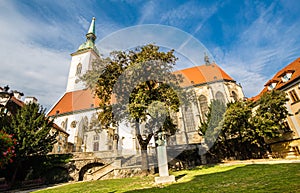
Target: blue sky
250,40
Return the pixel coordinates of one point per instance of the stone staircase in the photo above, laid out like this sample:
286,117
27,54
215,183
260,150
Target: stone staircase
106,169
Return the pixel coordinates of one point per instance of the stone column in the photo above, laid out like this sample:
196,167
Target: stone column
162,158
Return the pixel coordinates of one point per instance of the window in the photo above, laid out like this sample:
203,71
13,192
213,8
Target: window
286,77
272,86
96,146
220,97
203,106
234,96
296,149
294,96
65,126
79,68
96,137
189,119
58,149
286,127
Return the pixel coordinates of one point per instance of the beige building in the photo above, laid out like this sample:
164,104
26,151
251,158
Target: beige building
287,80
61,146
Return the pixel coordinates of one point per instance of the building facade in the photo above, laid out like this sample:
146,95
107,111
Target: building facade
287,80
76,111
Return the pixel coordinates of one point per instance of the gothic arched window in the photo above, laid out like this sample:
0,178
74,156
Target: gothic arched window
203,106
235,97
220,97
85,123
189,118
79,69
64,124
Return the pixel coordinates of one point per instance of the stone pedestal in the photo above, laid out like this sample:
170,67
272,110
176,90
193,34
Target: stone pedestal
162,160
163,164
164,179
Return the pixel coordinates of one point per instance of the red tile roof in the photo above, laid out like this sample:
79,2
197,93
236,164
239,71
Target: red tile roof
293,68
74,101
17,101
203,74
85,99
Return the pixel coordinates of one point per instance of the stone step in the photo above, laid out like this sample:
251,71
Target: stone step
96,175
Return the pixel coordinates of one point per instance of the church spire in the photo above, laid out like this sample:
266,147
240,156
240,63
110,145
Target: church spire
90,39
91,33
92,26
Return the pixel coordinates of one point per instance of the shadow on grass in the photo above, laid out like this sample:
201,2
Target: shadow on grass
249,178
179,176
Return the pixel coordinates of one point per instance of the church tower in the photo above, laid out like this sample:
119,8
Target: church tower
82,60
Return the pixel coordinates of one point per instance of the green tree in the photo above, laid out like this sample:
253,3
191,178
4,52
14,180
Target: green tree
236,129
31,130
270,115
247,125
211,127
214,116
131,84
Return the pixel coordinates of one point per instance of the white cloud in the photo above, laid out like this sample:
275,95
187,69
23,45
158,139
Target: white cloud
163,36
262,49
83,22
147,11
190,10
26,66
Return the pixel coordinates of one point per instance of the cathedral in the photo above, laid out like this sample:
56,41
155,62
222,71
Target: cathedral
76,111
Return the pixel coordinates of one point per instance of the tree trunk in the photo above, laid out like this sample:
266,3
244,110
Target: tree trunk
13,179
143,144
145,163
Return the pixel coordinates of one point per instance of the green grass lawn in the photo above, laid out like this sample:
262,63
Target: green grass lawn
237,178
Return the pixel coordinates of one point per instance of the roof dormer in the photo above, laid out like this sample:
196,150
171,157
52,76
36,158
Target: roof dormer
286,75
271,84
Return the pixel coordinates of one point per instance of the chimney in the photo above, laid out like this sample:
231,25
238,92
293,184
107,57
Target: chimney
30,99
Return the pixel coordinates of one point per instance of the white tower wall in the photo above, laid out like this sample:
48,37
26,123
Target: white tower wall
85,59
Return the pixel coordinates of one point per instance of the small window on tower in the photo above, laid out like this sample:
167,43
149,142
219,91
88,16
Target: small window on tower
79,69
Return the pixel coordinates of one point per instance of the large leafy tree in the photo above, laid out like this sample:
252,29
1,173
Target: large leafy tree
236,130
247,125
270,114
31,130
138,87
